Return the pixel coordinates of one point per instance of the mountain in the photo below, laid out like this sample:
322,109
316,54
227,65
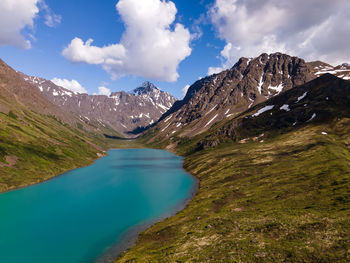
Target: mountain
124,112
39,140
273,184
249,82
320,101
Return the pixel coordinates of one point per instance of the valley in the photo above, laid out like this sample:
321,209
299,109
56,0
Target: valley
273,164
274,186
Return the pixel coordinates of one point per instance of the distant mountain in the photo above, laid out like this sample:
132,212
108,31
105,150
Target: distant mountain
249,82
39,140
122,111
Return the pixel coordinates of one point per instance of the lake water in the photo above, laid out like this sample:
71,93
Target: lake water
81,215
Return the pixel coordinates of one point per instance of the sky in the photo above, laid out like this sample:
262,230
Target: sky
99,46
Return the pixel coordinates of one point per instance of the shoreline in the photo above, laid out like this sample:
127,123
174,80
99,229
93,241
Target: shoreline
58,175
130,237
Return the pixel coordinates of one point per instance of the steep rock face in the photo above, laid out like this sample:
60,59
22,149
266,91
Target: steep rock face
122,111
320,100
249,82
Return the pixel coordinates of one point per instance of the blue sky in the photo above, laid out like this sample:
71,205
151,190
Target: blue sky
212,35
99,20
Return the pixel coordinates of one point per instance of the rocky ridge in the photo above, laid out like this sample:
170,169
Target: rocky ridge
122,111
318,101
249,82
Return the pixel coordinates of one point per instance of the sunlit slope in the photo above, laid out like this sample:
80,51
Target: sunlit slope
273,187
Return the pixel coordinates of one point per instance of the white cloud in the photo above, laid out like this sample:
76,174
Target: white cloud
313,29
16,15
104,91
151,46
184,90
72,85
215,70
51,19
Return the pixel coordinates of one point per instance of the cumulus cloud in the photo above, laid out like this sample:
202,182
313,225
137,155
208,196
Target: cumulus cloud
104,91
184,90
313,29
15,16
152,46
72,85
18,15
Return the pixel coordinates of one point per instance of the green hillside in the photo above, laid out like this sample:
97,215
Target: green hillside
279,197
35,147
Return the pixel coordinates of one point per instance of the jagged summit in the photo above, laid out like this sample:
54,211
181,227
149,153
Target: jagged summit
124,112
249,82
318,101
145,88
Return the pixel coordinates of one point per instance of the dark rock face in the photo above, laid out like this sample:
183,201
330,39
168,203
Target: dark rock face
249,82
122,111
318,101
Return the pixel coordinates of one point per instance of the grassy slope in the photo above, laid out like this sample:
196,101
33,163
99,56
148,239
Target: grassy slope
282,200
44,147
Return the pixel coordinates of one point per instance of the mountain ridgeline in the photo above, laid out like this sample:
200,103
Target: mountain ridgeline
248,83
124,112
322,100
269,141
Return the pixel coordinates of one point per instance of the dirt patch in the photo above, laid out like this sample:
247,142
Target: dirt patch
10,161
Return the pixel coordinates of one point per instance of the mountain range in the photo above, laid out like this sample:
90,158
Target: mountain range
125,112
267,139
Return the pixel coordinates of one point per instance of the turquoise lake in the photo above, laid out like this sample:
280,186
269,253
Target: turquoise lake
83,214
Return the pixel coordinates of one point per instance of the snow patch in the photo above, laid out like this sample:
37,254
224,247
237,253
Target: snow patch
211,110
261,111
167,119
301,97
211,120
278,88
166,127
312,117
285,107
163,107
261,83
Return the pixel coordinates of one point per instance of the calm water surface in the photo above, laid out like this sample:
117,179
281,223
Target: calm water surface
78,216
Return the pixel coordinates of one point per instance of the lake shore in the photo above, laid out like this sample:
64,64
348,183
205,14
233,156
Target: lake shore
91,162
130,237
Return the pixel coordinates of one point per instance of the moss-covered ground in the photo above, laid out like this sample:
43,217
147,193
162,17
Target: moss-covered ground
284,199
36,147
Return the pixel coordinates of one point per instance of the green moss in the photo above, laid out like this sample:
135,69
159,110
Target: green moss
12,115
282,200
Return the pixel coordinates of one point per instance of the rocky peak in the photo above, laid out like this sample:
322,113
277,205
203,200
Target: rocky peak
249,82
122,111
146,88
